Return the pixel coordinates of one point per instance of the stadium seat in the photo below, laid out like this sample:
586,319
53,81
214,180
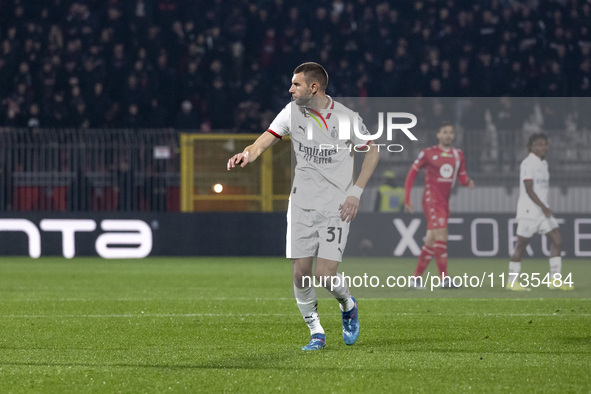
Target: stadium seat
105,199
27,198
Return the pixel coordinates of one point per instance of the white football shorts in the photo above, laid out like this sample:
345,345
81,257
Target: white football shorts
315,233
542,225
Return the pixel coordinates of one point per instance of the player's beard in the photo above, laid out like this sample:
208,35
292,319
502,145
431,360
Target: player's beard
447,144
304,101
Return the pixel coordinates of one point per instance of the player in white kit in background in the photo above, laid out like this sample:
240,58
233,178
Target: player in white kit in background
533,214
324,197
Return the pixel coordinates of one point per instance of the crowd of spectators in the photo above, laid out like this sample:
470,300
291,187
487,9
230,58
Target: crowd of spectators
226,64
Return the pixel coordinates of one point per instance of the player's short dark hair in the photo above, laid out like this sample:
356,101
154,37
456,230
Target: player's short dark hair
313,72
444,123
534,137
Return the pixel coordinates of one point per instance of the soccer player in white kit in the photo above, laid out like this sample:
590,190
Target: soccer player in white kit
324,196
533,214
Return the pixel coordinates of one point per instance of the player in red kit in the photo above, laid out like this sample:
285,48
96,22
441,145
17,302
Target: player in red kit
443,164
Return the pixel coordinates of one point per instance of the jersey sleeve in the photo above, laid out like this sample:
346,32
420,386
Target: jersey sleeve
526,171
462,174
419,163
281,125
362,129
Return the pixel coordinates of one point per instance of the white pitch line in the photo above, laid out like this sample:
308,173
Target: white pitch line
155,299
240,315
290,298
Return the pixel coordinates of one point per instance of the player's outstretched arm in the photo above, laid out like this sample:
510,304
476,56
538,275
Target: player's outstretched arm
408,182
462,175
252,152
350,207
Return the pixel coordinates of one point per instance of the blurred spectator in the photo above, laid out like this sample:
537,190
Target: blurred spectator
57,111
165,79
34,117
220,114
388,80
555,83
390,196
133,118
80,118
4,75
156,115
248,109
508,118
134,94
553,117
186,119
192,82
141,12
24,75
119,67
474,125
100,104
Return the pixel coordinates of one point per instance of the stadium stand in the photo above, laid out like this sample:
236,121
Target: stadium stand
225,65
86,63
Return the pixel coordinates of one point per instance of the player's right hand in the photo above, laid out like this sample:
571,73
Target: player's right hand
547,211
409,208
238,158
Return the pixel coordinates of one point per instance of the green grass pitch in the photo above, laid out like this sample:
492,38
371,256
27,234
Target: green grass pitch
229,324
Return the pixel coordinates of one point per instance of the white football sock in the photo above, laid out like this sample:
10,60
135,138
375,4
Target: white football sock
555,266
308,306
514,269
347,304
340,291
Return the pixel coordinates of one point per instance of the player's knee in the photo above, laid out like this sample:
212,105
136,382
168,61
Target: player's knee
441,238
324,277
302,279
440,235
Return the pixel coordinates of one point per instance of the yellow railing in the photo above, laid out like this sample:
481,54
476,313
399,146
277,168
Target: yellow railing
261,186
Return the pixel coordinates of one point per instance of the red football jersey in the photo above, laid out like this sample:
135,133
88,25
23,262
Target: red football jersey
442,167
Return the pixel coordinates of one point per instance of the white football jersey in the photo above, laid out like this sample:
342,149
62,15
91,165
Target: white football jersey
324,163
535,169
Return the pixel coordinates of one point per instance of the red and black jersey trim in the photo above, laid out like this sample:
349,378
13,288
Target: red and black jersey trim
331,107
275,134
